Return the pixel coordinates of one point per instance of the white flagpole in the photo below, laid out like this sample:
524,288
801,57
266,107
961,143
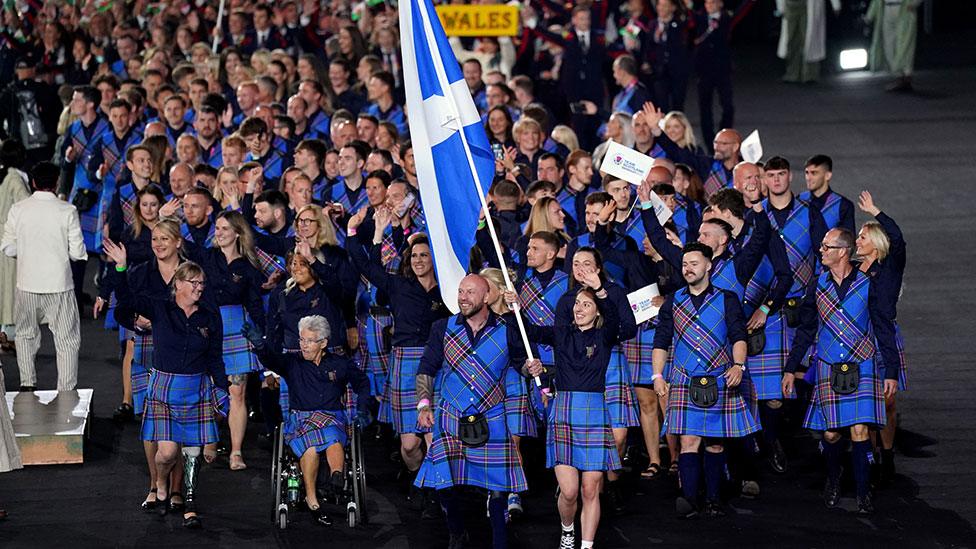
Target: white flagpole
220,19
439,67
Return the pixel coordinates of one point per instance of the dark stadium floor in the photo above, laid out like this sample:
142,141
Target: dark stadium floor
915,152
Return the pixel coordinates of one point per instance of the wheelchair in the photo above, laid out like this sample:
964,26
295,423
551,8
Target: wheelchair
288,488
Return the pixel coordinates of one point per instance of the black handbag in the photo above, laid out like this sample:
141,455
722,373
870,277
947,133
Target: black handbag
703,391
474,430
791,312
84,200
844,377
756,341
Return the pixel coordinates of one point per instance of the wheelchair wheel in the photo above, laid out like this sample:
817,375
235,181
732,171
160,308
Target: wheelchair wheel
276,472
359,478
282,520
352,514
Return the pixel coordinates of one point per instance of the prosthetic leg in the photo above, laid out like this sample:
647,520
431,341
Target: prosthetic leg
191,470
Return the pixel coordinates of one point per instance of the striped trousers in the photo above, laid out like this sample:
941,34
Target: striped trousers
60,312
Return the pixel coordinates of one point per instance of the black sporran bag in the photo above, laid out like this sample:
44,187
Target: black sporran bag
844,377
703,391
85,199
756,341
791,312
474,430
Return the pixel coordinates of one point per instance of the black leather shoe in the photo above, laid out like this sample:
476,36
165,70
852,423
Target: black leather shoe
776,457
614,500
865,506
713,509
831,493
432,507
684,508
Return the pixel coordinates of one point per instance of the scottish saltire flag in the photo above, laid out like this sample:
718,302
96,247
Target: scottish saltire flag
454,160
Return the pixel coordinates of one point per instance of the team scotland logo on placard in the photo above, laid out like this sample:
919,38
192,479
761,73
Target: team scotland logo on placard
618,159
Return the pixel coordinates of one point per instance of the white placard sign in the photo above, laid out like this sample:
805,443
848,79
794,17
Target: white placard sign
751,147
640,303
632,167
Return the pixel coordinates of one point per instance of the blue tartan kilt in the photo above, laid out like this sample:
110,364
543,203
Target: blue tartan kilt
376,355
903,369
637,353
403,389
142,357
578,433
766,368
494,466
519,413
238,357
621,400
830,411
317,429
731,417
182,408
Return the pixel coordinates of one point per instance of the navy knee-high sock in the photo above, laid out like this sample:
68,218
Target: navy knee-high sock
831,452
452,511
771,418
861,456
689,467
714,474
497,506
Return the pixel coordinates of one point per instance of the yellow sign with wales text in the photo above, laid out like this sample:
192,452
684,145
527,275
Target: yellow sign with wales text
479,20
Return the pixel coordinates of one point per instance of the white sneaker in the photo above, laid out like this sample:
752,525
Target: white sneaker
567,540
514,504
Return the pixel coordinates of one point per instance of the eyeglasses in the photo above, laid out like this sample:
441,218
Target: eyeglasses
306,221
831,247
196,283
303,341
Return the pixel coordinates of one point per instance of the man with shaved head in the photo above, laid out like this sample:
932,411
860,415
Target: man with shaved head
471,443
715,170
747,179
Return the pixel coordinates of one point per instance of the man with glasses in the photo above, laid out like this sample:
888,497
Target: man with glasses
715,170
843,321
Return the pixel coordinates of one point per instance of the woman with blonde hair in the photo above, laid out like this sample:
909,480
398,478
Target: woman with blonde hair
620,128
678,129
566,136
235,279
227,189
546,215
881,248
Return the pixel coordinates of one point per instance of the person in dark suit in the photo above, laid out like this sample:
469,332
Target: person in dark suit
671,57
713,62
581,73
266,35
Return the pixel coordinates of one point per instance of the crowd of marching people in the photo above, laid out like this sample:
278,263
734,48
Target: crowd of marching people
263,249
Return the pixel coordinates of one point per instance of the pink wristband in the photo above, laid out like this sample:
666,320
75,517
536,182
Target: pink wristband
424,403
352,232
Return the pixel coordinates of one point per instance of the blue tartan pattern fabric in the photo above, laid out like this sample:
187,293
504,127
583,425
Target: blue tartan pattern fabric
238,356
845,335
84,147
716,180
798,242
903,370
766,368
637,353
182,408
830,210
539,305
495,466
317,429
620,397
142,356
723,276
519,409
578,433
701,347
403,389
